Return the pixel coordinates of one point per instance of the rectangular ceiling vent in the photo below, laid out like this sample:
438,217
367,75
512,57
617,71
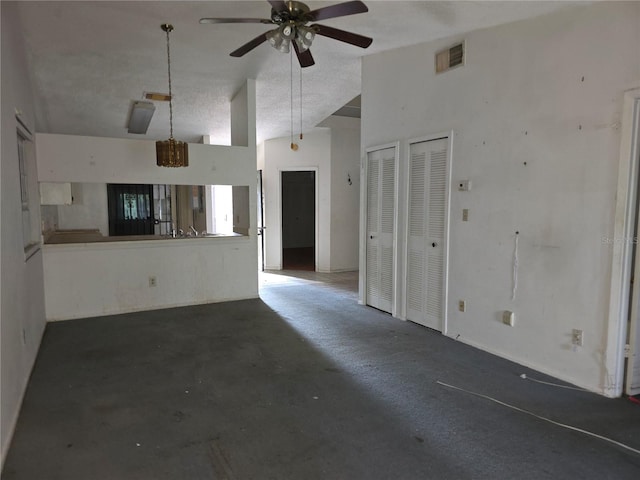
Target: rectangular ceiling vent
450,57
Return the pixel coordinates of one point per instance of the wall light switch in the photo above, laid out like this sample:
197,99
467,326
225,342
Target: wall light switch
508,318
462,305
464,185
577,337
465,214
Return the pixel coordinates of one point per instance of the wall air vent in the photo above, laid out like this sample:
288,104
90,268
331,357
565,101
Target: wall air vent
450,57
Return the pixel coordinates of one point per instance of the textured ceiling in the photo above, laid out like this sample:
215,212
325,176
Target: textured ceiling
90,60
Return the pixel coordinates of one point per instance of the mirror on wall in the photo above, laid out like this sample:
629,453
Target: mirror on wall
149,211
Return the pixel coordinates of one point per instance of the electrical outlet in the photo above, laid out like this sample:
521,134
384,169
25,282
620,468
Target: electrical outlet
465,214
462,305
577,337
152,281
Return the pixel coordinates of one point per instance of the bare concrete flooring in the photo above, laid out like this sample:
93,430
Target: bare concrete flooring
303,383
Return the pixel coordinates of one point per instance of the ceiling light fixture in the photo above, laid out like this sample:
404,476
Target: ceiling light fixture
281,37
171,153
304,37
140,117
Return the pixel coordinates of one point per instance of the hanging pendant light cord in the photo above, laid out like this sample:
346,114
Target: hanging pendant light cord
291,93
300,103
167,29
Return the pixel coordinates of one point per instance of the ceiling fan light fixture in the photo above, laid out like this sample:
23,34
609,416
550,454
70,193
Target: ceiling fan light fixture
285,46
274,38
304,38
291,20
278,41
287,31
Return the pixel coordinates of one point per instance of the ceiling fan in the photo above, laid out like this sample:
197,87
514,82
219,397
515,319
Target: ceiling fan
293,20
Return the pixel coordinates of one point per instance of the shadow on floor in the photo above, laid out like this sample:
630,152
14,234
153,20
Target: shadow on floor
303,383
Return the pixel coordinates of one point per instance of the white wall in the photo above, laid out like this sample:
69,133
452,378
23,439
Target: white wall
70,158
22,317
534,113
114,278
314,153
87,280
94,279
89,209
345,197
334,150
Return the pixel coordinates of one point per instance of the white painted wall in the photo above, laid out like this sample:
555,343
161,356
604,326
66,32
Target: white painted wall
94,279
334,150
70,158
22,317
113,278
314,152
89,209
87,280
345,197
548,92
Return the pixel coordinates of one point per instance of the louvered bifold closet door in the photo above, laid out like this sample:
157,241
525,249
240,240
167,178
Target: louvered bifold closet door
427,220
381,165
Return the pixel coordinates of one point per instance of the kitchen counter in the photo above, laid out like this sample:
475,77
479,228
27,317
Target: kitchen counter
94,235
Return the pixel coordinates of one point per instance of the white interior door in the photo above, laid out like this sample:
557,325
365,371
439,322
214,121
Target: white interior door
381,165
632,373
633,366
428,166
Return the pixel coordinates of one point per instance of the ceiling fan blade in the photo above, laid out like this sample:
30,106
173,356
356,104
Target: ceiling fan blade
339,10
247,47
278,5
305,58
235,20
343,36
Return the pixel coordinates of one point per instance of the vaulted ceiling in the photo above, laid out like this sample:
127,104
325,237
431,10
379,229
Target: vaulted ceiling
90,60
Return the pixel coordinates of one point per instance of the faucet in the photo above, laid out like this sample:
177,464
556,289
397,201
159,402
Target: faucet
195,232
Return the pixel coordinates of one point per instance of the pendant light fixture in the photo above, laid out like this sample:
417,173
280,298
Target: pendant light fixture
171,153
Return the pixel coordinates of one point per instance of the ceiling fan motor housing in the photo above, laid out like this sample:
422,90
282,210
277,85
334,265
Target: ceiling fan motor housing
296,12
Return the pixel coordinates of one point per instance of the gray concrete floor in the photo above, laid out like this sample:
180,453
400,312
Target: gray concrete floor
303,383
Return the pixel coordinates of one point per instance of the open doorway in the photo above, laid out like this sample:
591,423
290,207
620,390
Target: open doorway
299,220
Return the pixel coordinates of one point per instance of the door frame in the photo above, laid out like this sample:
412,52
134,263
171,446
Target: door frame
621,267
260,218
364,195
316,171
447,222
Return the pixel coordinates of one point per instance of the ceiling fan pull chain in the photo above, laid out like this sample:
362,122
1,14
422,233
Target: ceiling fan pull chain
294,146
291,95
